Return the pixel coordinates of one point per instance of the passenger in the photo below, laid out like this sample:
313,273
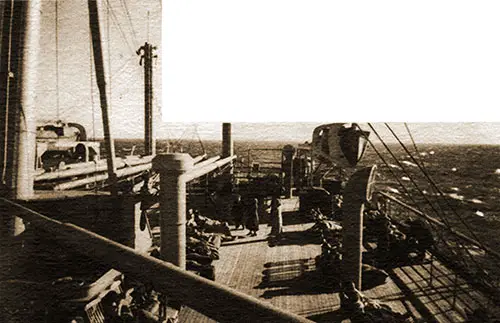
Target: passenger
276,217
237,212
252,221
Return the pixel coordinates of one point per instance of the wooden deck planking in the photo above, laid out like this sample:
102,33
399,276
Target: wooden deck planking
285,275
437,297
467,296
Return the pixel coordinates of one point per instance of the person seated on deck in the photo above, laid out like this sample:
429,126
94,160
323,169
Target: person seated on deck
419,239
322,225
330,260
390,242
337,201
190,219
193,229
204,228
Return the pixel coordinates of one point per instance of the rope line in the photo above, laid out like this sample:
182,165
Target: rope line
110,66
7,95
440,236
56,26
118,25
199,138
131,25
445,221
422,164
431,181
92,102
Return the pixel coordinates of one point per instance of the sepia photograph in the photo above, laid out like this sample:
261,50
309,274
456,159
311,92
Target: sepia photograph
249,161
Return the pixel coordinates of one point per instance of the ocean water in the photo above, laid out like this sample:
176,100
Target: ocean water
467,178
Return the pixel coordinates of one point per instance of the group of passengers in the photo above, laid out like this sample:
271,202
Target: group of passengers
245,214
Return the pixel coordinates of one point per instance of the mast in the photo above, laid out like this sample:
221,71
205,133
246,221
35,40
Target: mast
20,40
19,65
27,116
147,56
101,84
10,65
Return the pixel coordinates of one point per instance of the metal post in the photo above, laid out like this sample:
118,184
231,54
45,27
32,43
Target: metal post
148,138
227,144
173,206
147,57
287,156
356,193
101,84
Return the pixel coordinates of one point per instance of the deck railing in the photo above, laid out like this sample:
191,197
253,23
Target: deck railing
476,263
214,300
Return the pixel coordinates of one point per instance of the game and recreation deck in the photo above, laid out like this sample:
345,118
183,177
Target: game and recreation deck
284,274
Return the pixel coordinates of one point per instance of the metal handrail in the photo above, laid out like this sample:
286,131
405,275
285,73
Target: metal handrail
477,277
212,299
454,232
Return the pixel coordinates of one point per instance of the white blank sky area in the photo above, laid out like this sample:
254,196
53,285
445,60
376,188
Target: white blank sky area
325,61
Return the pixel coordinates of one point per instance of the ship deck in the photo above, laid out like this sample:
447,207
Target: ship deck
285,275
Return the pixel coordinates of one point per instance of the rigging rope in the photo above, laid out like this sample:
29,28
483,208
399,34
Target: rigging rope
389,168
412,140
448,226
410,177
7,94
91,77
440,237
199,139
108,25
422,163
118,25
56,4
431,181
131,25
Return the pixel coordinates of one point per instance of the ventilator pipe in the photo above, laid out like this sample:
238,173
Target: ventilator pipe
171,168
356,193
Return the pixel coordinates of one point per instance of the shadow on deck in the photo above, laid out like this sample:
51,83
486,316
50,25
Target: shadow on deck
293,277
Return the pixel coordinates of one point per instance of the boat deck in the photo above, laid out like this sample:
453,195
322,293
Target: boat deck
285,275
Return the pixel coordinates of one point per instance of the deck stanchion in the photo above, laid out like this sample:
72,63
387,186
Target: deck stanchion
431,272
455,287
173,206
287,156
